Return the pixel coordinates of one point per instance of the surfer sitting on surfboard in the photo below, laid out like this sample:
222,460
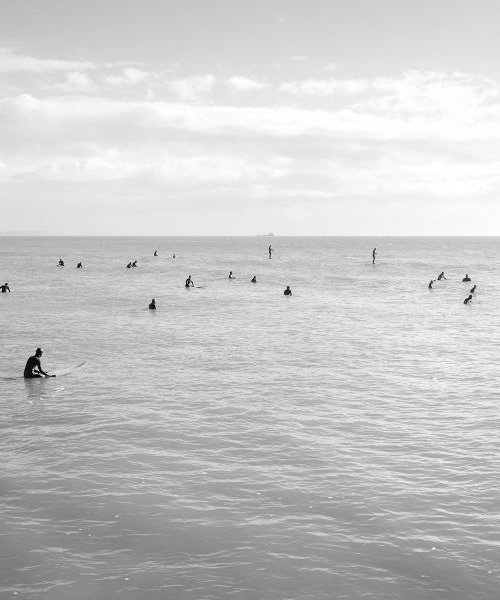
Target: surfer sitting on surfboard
33,368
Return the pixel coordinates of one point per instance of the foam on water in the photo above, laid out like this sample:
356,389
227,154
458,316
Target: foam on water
341,443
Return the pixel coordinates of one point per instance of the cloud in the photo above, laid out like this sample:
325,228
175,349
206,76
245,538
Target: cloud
244,84
77,82
191,88
128,77
433,134
12,62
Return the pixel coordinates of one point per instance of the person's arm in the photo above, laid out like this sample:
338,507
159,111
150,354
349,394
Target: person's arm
41,371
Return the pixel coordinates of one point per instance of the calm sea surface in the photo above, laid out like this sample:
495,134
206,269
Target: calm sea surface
236,443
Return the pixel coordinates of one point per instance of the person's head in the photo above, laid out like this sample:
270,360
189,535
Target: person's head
38,352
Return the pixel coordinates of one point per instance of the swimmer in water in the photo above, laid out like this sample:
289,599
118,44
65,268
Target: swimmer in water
288,291
473,289
61,262
441,276
430,283
173,255
468,299
466,278
231,276
270,250
152,304
254,279
5,288
156,253
374,253
79,265
33,368
189,282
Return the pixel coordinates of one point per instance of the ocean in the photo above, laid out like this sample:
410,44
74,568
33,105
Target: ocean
341,443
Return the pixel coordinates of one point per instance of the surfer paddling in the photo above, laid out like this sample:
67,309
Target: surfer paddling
33,368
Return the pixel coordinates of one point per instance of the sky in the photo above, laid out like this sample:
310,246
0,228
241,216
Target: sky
239,117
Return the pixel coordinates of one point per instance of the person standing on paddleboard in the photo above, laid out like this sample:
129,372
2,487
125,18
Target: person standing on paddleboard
33,368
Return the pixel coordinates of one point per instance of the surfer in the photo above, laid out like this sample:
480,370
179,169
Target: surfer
270,250
129,265
79,265
33,368
61,262
430,283
374,253
231,276
466,278
473,289
134,264
173,255
156,253
288,291
468,299
152,304
189,282
254,279
441,276
5,288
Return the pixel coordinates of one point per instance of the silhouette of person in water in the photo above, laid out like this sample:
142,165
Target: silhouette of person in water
79,265
173,255
254,279
152,304
466,278
473,289
156,253
430,283
33,368
374,253
129,265
231,276
134,264
288,291
270,250
468,299
189,282
5,288
441,276
61,262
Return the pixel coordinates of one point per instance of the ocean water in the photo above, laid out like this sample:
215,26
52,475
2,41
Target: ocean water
236,443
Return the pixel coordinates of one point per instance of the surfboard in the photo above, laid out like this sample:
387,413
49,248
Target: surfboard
57,373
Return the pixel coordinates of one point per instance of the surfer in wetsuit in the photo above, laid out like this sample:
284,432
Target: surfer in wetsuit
473,289
288,291
374,253
129,265
189,282
254,279
466,278
134,264
152,304
33,368
441,276
79,265
231,276
430,283
156,253
270,250
61,262
5,288
468,299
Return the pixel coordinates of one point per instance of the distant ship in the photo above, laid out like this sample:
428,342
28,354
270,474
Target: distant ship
265,234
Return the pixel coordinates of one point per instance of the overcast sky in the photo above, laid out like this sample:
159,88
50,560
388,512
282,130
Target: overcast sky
238,117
